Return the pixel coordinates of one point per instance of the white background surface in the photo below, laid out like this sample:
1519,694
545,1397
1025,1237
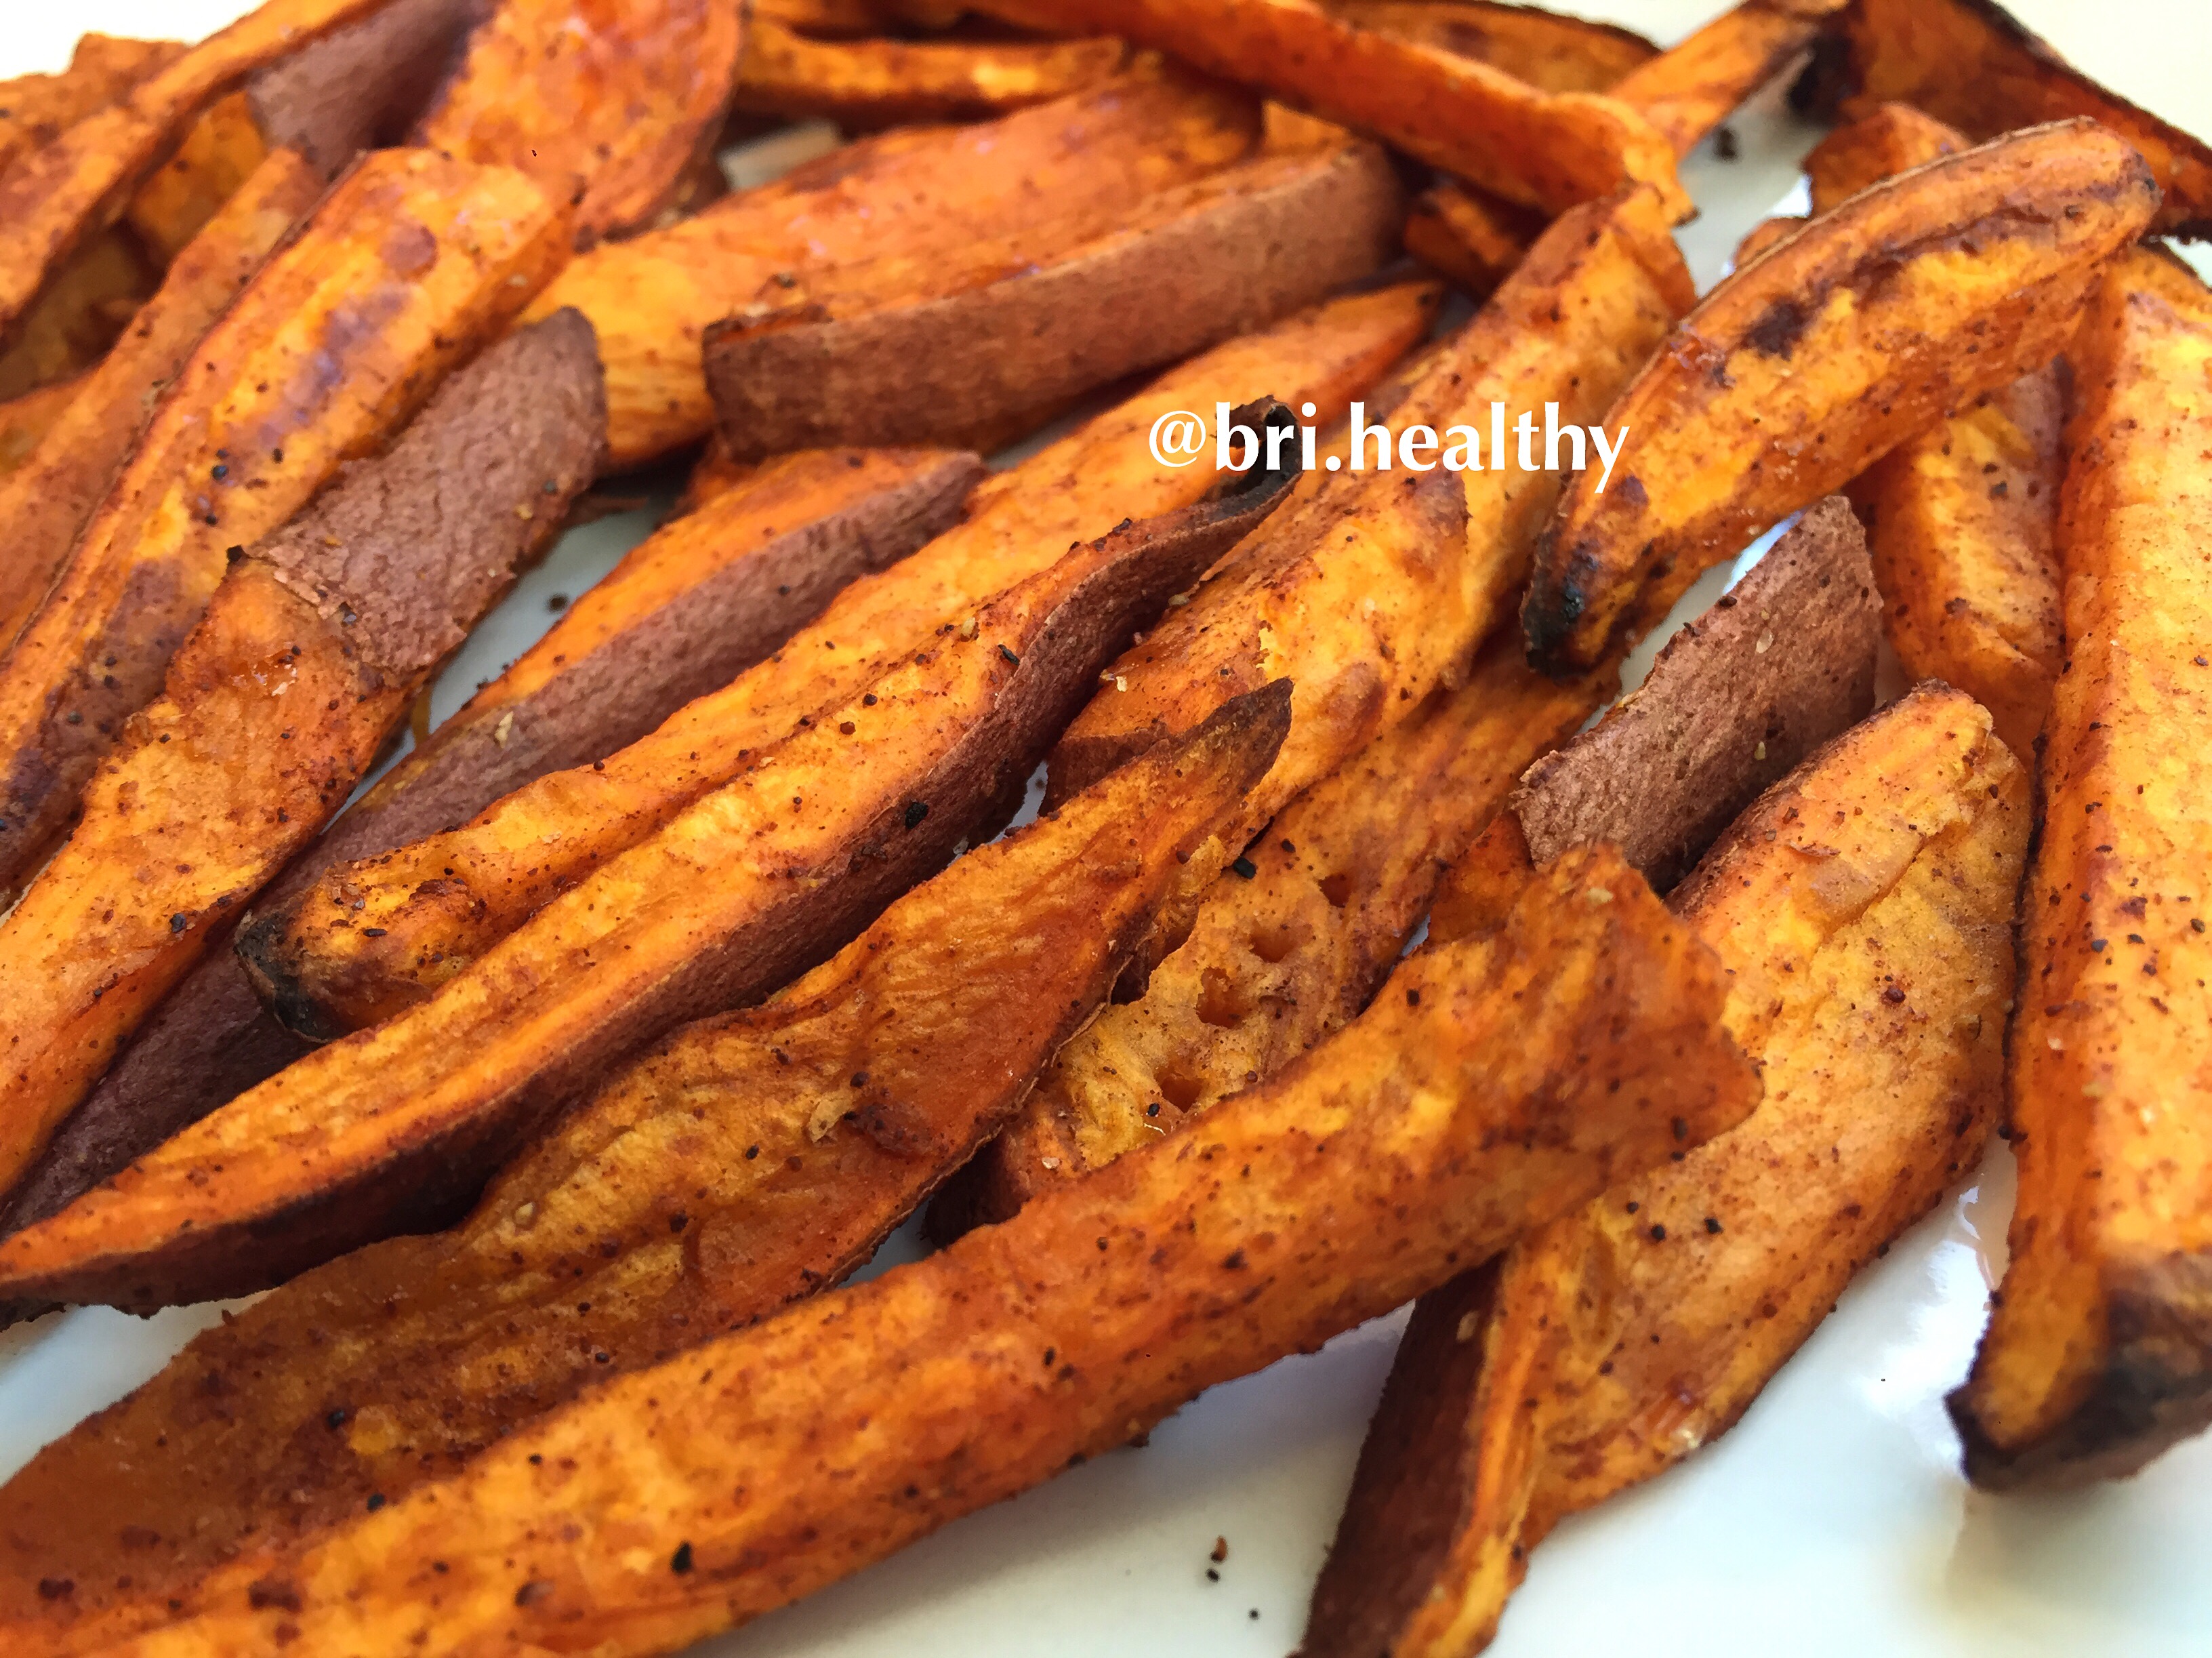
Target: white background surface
1830,1524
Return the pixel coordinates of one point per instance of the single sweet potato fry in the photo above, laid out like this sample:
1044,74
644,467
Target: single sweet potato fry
1776,667
748,1161
1070,167
439,904
1542,149
361,87
1813,362
1378,587
217,156
56,197
45,507
862,84
914,351
1549,51
305,662
79,314
1493,1083
1863,908
23,422
1691,89
683,613
393,1129
1964,515
607,103
2098,1353
401,273
1473,238
36,109
1289,945
1971,64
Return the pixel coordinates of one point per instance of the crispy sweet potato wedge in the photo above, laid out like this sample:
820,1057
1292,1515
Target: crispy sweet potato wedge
394,1129
684,611
1863,908
1885,142
1780,665
1074,165
1550,52
36,109
608,102
1289,946
1818,358
1473,238
361,87
1688,90
861,84
1543,150
23,422
305,661
2098,1353
1972,63
217,156
79,314
43,507
911,352
734,1169
1378,587
56,197
401,271
439,904
1493,1083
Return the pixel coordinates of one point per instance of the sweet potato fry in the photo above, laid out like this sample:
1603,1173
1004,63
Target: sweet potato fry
1550,52
1280,957
217,156
36,109
861,84
307,660
1542,149
23,422
361,87
1066,167
43,507
1474,238
782,1183
56,197
79,314
2098,1353
608,103
1780,665
1688,90
402,270
1813,362
1964,515
1863,908
911,351
1493,1083
685,611
439,904
1376,589
1971,64
395,1128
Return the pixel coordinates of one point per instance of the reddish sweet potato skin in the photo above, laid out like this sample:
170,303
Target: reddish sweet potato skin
361,87
614,667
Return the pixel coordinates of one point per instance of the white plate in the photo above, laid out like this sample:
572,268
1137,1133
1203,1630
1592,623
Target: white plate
1832,1523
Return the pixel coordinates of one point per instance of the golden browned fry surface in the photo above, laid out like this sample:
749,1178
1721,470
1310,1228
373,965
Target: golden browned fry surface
218,155
1378,585
442,903
1821,356
605,102
1544,149
1971,64
1494,1082
1881,143
79,314
55,198
1289,945
23,422
394,1129
1863,909
912,350
43,508
681,614
747,1162
38,108
2100,1351
403,271
306,660
1549,51
1691,89
1474,238
1070,167
861,84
